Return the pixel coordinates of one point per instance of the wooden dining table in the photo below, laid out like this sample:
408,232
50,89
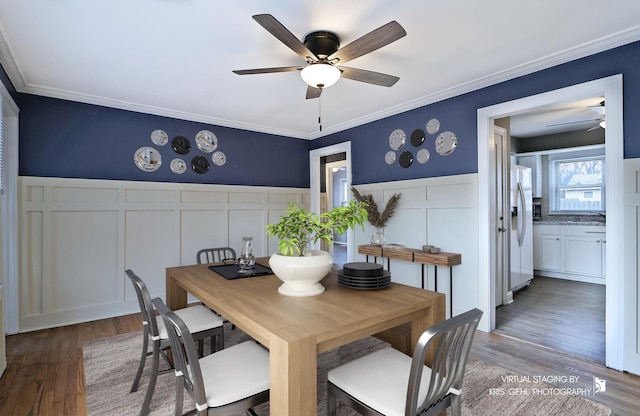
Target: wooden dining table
297,329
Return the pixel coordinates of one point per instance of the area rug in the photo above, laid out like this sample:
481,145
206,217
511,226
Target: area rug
110,365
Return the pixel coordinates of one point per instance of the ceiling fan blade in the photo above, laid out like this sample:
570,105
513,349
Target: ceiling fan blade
267,70
313,92
283,34
373,40
370,77
596,127
575,122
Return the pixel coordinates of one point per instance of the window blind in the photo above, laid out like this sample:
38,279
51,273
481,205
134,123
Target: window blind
1,148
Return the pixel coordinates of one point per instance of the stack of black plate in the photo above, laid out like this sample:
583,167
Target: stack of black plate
364,276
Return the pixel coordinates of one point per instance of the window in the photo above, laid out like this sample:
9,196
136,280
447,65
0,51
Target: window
2,180
577,185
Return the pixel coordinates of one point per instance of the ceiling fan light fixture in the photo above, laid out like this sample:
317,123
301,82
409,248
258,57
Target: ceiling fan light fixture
320,75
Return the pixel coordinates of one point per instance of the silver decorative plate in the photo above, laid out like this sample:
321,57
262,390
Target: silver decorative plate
433,126
423,156
219,158
147,159
390,157
159,137
178,166
446,143
397,139
206,141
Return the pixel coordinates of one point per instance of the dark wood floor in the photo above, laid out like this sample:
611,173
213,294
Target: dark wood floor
561,314
45,374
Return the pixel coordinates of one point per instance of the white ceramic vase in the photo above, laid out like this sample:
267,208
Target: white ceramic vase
301,274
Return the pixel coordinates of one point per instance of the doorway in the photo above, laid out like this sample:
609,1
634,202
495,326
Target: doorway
564,311
611,89
9,284
318,175
337,194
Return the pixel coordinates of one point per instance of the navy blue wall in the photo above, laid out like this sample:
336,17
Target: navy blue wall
67,139
370,142
60,138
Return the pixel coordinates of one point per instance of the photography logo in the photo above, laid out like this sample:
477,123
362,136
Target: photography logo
599,385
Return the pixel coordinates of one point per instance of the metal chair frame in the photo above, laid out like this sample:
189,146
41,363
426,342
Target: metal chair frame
216,255
451,340
189,373
160,345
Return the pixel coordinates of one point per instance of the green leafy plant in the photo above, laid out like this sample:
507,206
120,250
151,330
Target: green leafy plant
299,227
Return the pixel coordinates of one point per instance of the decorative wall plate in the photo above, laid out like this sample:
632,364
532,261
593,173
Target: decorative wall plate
423,156
433,126
181,145
206,141
397,139
200,164
178,166
147,159
417,137
159,137
219,158
406,159
390,157
446,143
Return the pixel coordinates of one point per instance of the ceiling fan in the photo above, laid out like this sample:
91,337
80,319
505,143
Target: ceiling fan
324,57
599,122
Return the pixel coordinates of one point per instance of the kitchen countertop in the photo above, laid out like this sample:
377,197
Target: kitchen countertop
568,222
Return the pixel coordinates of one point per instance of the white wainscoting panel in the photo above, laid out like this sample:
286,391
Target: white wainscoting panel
631,330
79,235
438,211
86,245
151,242
202,229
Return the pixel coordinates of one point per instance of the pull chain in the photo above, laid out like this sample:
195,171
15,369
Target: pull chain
320,112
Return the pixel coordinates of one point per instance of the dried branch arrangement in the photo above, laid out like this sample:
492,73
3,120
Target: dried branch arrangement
376,218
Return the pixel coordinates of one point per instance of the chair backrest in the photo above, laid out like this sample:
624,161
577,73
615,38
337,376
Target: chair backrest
450,340
185,355
215,255
144,300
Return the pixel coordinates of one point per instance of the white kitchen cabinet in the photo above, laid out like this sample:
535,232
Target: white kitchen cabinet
585,250
535,163
583,255
537,244
572,252
549,250
551,255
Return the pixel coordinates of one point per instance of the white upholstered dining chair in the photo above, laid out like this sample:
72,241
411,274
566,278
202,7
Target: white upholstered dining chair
203,322
228,381
390,383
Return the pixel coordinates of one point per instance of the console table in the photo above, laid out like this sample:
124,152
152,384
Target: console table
416,256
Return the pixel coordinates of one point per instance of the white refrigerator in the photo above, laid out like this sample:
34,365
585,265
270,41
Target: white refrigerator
521,228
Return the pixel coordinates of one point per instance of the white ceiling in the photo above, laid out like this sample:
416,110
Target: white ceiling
175,57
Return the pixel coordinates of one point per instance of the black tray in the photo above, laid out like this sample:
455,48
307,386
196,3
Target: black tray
231,271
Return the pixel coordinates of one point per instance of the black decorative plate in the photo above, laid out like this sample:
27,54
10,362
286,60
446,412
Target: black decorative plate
364,282
362,269
181,145
200,164
417,137
406,159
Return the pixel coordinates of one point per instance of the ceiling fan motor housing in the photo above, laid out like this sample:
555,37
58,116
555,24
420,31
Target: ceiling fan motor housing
322,43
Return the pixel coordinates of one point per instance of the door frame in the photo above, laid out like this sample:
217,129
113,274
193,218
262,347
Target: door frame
503,238
611,89
9,200
314,175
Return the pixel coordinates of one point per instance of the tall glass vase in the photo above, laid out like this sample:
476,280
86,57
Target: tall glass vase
377,239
